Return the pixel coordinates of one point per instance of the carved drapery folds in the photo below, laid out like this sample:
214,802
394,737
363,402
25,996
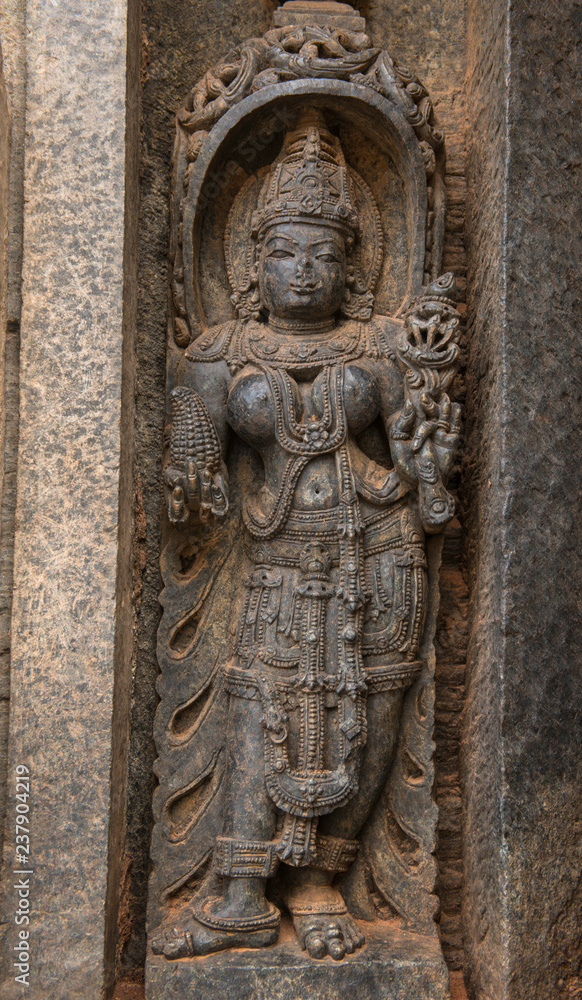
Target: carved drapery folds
310,435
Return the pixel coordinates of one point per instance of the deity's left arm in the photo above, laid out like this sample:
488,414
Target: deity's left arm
423,429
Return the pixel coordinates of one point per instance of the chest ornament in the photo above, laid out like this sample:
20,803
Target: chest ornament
240,344
316,436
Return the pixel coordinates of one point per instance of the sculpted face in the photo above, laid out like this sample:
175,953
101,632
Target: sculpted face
302,271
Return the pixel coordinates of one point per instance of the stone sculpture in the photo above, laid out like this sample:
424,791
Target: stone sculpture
309,442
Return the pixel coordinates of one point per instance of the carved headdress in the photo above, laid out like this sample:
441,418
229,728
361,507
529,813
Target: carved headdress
311,182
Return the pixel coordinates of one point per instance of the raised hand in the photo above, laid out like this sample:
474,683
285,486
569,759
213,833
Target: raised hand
424,434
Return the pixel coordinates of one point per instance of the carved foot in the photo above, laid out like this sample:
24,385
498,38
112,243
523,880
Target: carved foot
322,922
194,938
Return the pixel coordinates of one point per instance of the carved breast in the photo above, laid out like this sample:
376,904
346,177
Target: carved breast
251,407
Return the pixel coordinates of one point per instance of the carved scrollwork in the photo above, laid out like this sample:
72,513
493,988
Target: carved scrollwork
294,52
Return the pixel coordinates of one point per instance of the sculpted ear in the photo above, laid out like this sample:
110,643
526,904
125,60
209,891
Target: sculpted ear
357,305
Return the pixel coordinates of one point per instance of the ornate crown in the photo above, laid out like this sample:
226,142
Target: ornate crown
310,181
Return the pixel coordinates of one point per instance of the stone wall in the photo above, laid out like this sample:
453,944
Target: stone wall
522,748
507,90
181,41
4,162
69,631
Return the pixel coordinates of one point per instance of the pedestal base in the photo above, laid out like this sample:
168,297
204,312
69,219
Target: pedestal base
392,965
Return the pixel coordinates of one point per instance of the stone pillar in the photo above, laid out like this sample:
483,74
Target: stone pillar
12,171
71,621
4,163
523,744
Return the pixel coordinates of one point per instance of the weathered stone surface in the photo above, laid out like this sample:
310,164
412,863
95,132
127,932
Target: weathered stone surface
523,748
181,42
324,12
73,437
13,58
450,650
383,970
4,164
254,802
431,38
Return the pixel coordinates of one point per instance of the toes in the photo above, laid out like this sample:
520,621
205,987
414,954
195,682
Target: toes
175,944
315,945
350,945
353,937
335,942
348,936
336,949
179,946
161,944
158,945
335,935
174,949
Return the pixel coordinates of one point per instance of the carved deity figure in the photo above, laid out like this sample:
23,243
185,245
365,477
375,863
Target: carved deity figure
319,629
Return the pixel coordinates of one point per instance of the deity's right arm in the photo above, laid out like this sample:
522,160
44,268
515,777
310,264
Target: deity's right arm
195,474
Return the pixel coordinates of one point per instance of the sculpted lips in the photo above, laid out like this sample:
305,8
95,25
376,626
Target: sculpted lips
304,288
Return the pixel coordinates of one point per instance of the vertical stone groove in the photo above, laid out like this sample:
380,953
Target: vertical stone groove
124,612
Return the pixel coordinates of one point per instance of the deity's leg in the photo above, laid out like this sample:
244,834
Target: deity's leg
249,817
320,917
234,912
383,713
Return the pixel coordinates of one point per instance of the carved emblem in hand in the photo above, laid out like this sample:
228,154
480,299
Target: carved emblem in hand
425,433
196,479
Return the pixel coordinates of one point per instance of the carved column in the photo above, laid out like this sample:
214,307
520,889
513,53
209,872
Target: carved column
71,623
524,698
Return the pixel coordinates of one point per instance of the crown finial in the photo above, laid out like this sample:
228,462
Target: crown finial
325,13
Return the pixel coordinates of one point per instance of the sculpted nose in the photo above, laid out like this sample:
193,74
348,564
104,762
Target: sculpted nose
304,263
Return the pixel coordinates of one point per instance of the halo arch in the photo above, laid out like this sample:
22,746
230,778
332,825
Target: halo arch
350,103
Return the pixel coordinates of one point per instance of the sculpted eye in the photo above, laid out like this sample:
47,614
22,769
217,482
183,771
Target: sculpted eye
328,258
280,254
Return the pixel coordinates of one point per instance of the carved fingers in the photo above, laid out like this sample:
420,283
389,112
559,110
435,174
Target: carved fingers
404,423
195,490
213,494
196,480
428,423
441,421
447,435
176,495
423,420
400,432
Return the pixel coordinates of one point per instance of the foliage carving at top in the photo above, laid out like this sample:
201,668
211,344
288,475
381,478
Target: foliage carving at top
308,52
